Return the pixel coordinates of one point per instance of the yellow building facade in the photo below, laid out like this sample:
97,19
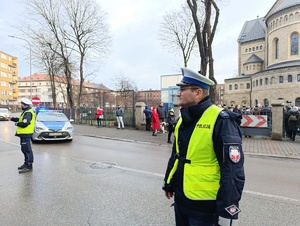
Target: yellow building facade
8,80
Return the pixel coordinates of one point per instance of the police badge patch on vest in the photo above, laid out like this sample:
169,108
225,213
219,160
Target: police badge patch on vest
232,210
24,120
234,154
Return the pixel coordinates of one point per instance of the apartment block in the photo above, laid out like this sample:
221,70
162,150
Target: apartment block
8,80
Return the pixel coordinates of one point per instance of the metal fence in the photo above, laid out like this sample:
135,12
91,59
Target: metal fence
88,116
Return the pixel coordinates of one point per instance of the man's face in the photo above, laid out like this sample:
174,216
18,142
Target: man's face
189,95
23,106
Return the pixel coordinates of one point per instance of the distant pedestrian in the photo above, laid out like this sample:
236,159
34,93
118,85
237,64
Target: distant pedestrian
155,121
25,128
120,115
171,124
99,116
162,112
148,113
237,109
293,122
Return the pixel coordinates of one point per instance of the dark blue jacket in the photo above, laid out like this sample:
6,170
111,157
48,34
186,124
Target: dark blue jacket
147,112
226,135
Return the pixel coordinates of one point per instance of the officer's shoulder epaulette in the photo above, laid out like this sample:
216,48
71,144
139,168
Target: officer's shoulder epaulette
224,114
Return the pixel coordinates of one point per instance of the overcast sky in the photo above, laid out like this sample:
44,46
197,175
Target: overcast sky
136,51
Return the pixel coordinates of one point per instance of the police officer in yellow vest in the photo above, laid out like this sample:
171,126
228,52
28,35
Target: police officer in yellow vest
25,127
205,172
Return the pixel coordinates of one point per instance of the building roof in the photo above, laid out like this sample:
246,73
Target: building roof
45,77
285,64
280,5
253,30
254,59
237,78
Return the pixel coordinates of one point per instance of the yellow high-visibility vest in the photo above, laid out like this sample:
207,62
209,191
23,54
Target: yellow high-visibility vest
30,128
201,179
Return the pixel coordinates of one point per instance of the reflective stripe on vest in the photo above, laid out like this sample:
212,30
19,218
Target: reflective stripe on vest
30,128
202,175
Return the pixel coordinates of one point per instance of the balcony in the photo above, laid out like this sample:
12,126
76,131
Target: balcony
13,65
13,98
13,81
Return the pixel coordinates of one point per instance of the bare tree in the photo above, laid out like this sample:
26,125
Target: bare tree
125,86
205,35
178,32
88,31
74,30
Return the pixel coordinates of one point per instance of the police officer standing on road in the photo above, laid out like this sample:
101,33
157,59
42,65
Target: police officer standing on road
205,172
25,127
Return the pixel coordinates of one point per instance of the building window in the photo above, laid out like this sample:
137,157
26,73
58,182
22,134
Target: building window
266,102
248,85
266,81
260,82
280,79
256,82
236,86
253,48
297,101
261,47
230,87
256,47
294,44
276,48
272,82
249,49
290,78
246,50
298,78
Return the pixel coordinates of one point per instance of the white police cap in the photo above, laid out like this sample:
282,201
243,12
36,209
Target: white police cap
26,101
192,78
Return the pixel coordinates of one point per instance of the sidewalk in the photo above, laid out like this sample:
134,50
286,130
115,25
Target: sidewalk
254,145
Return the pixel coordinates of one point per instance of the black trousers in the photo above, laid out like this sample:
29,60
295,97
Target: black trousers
148,124
194,218
99,122
26,150
171,130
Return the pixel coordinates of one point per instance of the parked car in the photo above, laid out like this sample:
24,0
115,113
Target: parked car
52,125
4,112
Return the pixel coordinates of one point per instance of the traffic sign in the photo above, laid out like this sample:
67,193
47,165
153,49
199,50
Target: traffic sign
36,101
254,121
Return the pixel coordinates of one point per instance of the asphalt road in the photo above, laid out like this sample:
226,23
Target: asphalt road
94,181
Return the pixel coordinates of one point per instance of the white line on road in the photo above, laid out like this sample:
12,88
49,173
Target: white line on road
6,141
245,191
140,171
272,196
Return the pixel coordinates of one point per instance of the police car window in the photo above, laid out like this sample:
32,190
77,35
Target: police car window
52,117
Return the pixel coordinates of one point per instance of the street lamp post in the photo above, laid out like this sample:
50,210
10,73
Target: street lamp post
29,60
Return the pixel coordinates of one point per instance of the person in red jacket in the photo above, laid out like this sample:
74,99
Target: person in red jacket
155,121
99,115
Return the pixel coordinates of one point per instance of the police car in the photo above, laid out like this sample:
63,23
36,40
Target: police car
52,125
4,112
